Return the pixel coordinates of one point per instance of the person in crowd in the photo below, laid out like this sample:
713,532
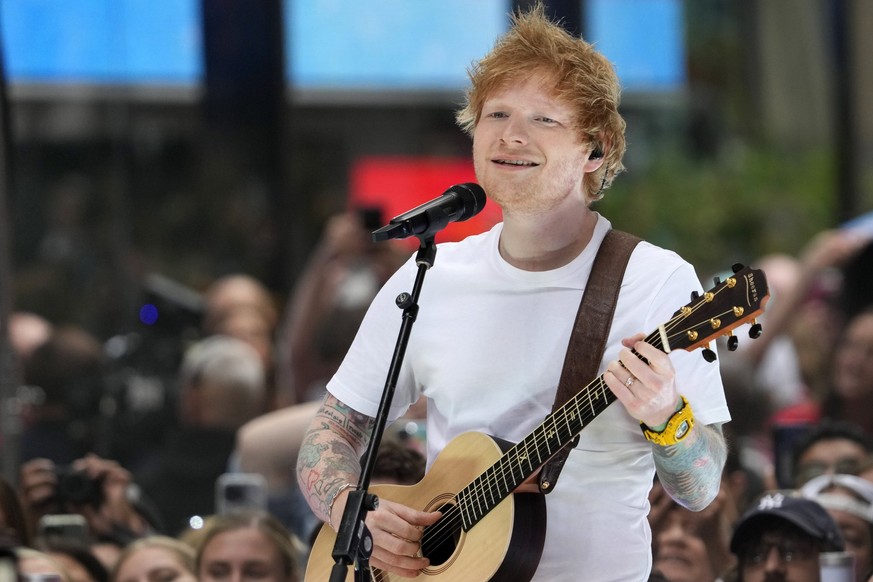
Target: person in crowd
398,464
849,391
268,445
851,395
156,557
849,500
13,519
495,319
690,546
780,538
100,490
27,331
68,371
828,448
804,318
341,277
36,565
78,560
240,306
246,545
222,386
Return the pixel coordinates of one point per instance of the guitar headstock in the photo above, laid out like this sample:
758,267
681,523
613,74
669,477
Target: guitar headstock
738,299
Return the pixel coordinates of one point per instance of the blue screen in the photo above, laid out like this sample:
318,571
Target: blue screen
331,44
102,41
644,39
389,44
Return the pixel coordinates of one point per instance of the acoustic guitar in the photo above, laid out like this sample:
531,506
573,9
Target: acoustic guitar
487,532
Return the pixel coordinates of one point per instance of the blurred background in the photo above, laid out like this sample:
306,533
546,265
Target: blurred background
152,146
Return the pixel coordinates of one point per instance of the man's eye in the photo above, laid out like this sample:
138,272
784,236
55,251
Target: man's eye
496,115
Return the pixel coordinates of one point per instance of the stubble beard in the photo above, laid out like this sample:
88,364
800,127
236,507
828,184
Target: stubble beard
527,196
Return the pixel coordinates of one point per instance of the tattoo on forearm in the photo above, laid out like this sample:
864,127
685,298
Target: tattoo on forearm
691,470
330,453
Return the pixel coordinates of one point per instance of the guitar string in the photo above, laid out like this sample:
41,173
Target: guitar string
447,525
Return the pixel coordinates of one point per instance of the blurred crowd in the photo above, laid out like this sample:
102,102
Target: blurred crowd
172,458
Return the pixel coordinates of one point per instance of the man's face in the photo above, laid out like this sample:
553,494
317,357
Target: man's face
681,549
526,152
829,456
781,555
853,372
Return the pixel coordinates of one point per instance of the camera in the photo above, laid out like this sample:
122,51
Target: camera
76,487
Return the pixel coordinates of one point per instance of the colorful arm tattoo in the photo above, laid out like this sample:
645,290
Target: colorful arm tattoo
329,458
691,470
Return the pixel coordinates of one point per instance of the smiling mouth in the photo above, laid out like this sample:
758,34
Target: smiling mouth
517,163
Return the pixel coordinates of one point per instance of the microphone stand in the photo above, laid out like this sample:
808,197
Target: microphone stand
354,543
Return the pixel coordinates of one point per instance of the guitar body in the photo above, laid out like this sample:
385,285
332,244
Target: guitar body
506,544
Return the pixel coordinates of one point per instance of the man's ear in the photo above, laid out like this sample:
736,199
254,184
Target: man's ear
592,164
595,158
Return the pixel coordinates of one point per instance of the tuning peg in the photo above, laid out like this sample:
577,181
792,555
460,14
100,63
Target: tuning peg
708,354
733,343
737,267
716,280
756,330
695,295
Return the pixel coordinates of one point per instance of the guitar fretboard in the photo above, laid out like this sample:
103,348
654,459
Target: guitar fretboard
529,454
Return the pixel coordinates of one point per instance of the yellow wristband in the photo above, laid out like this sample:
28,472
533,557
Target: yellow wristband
677,428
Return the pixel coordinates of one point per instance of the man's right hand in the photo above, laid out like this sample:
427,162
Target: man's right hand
396,531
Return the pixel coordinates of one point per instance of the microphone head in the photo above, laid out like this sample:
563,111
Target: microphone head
472,198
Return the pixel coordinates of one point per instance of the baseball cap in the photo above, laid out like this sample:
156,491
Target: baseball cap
788,506
821,489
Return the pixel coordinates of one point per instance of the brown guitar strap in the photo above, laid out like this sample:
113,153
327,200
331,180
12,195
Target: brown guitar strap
588,338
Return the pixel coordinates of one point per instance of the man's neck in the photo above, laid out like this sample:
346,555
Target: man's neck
533,243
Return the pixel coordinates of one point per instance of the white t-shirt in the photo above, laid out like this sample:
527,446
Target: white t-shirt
487,350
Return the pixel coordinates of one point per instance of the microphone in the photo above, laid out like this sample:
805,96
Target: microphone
458,203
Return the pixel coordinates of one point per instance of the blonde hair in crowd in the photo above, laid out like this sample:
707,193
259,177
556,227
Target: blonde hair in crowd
582,77
183,552
264,522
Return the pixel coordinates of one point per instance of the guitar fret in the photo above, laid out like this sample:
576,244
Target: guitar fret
503,474
572,416
547,436
490,489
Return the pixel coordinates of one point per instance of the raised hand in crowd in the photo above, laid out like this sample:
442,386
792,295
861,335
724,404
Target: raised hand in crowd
100,490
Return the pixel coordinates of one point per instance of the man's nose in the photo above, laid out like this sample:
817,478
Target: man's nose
774,561
514,131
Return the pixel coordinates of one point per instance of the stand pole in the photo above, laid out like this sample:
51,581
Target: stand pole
354,544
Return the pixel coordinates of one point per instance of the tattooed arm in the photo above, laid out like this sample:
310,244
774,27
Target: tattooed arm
329,456
328,466
691,470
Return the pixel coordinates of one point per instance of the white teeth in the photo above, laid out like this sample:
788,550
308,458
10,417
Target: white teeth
516,163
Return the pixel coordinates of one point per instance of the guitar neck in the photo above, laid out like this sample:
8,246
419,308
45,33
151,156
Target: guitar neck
524,458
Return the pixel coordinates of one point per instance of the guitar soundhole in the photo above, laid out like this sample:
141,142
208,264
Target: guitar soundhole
440,540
